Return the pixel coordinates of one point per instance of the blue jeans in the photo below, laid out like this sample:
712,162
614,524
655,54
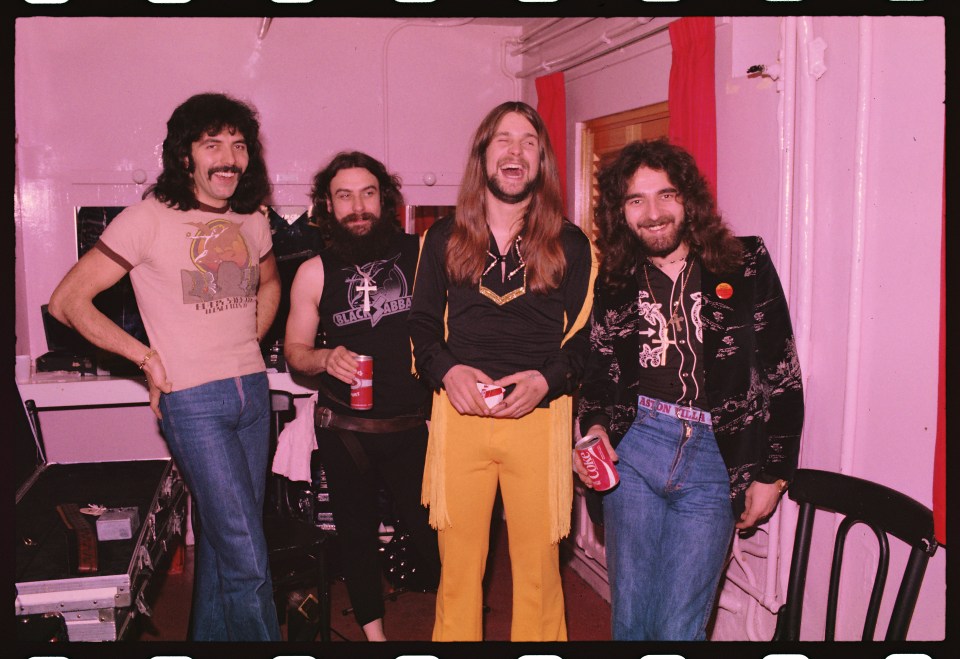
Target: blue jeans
668,527
219,435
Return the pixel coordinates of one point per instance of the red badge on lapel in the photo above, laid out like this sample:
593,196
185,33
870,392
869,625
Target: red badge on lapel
724,290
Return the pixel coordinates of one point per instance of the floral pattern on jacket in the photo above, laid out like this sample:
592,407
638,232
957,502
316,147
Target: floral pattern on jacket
752,373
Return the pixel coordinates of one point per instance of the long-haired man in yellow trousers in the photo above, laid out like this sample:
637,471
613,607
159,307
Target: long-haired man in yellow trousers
502,297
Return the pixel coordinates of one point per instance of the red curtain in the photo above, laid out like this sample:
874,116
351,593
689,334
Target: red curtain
940,452
692,95
552,107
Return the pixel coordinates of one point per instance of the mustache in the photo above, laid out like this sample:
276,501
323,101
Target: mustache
227,169
663,219
513,162
356,217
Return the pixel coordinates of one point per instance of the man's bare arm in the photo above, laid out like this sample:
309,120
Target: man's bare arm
268,295
299,341
72,304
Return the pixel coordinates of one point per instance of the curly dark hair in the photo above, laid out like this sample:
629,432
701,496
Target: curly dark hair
391,199
209,114
704,231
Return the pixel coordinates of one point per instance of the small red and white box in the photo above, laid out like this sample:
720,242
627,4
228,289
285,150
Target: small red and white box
593,454
361,391
492,394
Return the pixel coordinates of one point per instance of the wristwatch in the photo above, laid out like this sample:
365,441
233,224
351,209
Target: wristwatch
782,485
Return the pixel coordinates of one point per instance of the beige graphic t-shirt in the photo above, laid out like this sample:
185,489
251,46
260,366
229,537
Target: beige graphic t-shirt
195,275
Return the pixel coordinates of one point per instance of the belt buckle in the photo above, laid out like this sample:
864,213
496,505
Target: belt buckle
324,418
308,607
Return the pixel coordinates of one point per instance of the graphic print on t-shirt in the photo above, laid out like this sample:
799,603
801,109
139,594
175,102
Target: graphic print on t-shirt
374,290
226,275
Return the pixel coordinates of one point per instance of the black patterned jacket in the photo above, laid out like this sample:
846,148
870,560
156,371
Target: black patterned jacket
750,361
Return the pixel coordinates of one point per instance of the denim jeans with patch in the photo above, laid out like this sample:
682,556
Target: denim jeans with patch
219,435
668,527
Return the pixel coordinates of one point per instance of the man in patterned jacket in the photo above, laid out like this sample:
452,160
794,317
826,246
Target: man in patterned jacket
693,377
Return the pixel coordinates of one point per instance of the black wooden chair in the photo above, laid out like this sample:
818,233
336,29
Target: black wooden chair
297,547
887,513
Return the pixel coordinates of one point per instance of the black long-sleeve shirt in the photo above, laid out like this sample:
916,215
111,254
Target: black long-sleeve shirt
523,332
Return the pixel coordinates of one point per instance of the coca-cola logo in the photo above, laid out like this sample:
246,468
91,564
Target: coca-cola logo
593,471
598,466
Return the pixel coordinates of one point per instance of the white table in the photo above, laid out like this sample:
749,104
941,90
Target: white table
71,390
88,418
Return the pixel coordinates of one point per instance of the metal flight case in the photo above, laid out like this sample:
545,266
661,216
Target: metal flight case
93,573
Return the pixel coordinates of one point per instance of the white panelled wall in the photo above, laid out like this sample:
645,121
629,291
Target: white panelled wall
835,158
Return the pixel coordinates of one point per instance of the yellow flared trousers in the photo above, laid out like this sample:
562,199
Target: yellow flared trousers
480,454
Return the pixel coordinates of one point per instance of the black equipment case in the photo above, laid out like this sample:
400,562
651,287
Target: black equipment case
65,565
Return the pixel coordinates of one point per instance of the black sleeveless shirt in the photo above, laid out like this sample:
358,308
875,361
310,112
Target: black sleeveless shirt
364,308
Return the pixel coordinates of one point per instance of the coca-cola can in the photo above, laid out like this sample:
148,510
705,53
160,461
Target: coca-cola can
492,394
593,454
361,391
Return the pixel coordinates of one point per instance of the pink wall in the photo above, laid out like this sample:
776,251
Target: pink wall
886,414
93,96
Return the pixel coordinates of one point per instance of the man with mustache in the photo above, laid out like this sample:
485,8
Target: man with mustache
357,291
693,376
204,367
502,298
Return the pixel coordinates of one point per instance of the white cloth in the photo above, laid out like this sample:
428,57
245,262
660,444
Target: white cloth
296,442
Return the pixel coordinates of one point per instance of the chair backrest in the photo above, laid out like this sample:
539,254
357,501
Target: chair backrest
282,408
887,513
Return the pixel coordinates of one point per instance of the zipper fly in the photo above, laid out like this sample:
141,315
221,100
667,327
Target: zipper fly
685,437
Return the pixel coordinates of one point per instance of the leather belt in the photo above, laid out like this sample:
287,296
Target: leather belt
324,417
682,412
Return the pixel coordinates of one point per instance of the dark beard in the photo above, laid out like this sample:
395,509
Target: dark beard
356,250
666,246
506,198
642,249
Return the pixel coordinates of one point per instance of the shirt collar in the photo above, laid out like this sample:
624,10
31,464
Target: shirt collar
207,208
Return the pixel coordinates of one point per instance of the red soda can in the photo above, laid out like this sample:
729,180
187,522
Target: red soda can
361,391
597,462
492,394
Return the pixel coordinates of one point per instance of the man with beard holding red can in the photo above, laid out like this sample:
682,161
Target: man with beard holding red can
502,298
693,376
358,289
